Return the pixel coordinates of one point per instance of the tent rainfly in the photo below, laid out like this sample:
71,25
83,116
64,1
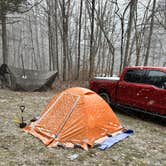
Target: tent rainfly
77,116
25,79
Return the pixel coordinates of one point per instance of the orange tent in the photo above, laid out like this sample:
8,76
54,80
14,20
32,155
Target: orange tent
77,116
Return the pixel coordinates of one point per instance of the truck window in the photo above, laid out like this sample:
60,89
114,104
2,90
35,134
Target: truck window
156,78
135,76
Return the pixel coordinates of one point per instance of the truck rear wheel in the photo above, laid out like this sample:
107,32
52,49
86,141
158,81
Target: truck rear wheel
105,96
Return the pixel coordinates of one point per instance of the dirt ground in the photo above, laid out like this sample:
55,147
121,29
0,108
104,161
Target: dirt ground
146,147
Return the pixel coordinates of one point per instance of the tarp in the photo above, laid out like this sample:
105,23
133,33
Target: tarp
77,116
29,80
110,141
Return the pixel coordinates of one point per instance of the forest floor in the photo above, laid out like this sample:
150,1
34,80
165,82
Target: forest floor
146,147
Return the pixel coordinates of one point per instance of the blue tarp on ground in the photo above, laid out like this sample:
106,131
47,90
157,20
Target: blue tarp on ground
115,139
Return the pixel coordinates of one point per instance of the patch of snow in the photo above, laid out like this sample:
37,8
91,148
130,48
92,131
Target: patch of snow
115,78
73,157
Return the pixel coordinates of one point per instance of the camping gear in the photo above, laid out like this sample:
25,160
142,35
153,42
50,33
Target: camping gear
110,141
22,124
77,116
19,120
27,80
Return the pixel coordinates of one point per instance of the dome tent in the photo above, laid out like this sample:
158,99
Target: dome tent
77,116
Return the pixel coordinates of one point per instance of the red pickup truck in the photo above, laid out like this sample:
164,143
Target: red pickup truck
139,88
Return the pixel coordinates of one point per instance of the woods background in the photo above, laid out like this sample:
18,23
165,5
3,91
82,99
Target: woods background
82,38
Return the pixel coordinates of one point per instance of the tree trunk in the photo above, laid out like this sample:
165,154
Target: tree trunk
50,33
112,63
50,41
53,35
138,45
56,40
150,34
4,39
92,41
64,36
129,29
85,48
32,43
121,44
79,41
37,37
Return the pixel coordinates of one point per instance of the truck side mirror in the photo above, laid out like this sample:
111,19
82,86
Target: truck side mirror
164,85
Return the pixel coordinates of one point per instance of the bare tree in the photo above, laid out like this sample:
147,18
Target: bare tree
150,34
129,30
91,69
79,40
121,17
65,6
161,14
5,8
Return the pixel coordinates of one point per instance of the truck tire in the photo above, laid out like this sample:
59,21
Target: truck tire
105,96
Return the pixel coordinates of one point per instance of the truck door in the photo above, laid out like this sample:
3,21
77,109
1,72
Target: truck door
156,85
130,89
